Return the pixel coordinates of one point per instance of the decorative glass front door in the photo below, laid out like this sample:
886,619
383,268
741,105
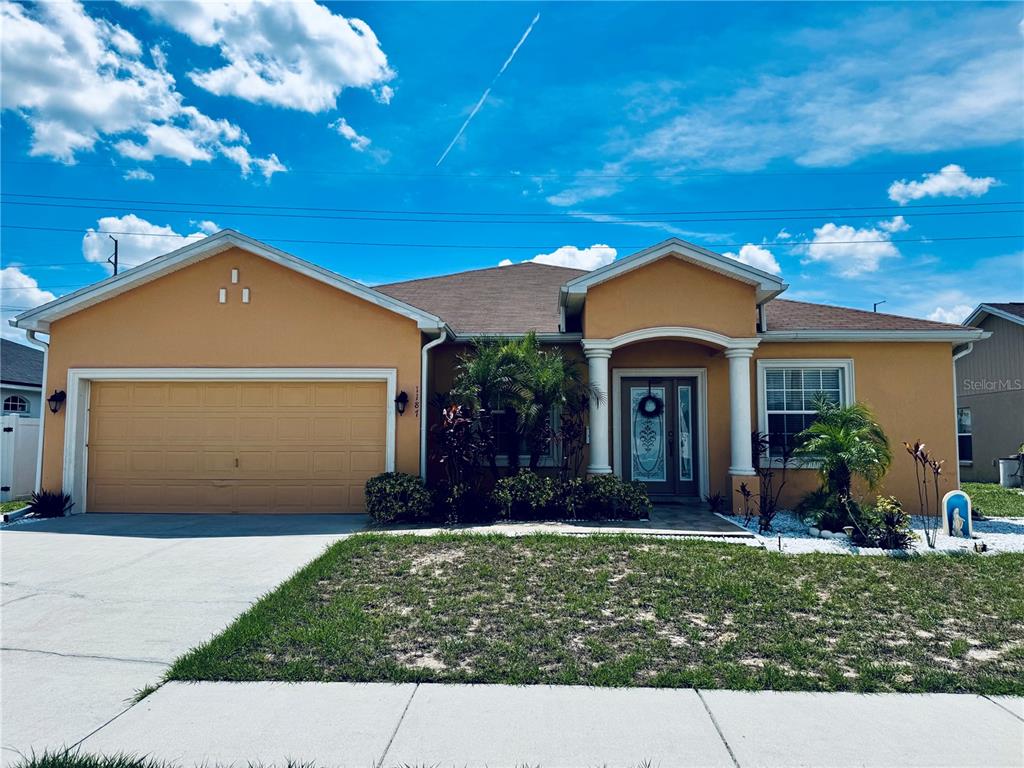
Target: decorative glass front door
659,435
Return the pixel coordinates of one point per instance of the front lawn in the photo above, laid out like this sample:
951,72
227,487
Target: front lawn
12,506
623,610
992,500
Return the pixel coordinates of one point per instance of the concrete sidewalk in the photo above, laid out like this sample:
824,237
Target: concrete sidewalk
351,724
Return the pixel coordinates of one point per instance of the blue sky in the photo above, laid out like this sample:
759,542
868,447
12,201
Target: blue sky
612,127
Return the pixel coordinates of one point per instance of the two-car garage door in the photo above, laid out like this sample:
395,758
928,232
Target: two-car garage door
234,446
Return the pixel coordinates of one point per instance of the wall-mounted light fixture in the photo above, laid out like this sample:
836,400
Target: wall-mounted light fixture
56,400
401,401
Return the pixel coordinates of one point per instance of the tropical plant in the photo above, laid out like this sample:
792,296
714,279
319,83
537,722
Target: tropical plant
398,497
50,504
928,494
887,525
768,492
458,444
715,501
846,442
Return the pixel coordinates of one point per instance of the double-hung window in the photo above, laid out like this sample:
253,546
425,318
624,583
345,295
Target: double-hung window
963,435
787,391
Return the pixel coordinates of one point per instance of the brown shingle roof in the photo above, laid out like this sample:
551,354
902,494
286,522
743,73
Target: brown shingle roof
513,299
786,315
524,297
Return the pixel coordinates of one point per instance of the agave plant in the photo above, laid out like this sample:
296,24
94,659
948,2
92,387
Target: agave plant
846,442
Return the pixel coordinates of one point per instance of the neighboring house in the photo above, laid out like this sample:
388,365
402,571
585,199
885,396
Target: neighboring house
21,379
990,392
229,376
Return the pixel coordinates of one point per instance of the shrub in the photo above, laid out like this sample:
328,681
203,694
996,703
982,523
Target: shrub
524,496
50,504
607,497
716,501
885,524
463,503
569,498
394,497
812,506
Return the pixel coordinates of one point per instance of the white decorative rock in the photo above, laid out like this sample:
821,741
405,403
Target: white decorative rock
814,532
826,534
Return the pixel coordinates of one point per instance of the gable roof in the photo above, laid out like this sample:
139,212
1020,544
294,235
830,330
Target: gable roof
1012,311
767,285
39,319
20,364
501,300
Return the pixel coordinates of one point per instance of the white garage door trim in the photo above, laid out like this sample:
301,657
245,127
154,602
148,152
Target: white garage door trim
76,420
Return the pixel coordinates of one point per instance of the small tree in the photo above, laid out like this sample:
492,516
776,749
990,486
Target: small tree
769,493
846,442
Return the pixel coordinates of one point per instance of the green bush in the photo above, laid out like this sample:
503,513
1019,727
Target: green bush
824,510
463,503
50,504
607,497
885,524
524,496
395,497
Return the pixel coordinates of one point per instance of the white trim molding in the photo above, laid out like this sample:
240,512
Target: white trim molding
39,319
982,310
669,332
701,374
76,417
763,365
951,335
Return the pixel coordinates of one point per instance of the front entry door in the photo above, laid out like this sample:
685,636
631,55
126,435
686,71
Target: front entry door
659,435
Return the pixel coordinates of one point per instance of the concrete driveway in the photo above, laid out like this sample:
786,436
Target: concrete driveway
95,607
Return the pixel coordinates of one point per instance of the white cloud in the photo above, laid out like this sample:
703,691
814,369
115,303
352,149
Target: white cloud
138,174
140,240
852,251
357,142
78,81
955,315
20,292
950,181
783,235
505,263
758,257
578,258
296,55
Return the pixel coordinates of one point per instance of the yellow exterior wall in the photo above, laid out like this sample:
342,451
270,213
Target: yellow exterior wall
670,291
176,322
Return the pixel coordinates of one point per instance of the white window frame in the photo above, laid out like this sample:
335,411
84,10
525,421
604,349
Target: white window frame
763,366
964,462
27,410
553,458
79,392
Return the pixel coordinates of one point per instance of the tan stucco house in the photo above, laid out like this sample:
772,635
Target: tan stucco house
229,376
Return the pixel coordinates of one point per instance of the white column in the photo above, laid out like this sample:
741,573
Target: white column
597,362
739,411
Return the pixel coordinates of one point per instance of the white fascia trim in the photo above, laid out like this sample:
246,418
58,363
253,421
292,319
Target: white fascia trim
670,332
39,319
768,285
986,309
76,417
950,336
701,374
849,390
544,338
22,387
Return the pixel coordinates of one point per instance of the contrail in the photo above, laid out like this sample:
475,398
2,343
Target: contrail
487,92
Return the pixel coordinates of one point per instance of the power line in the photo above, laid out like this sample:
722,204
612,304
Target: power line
505,246
513,175
577,221
136,201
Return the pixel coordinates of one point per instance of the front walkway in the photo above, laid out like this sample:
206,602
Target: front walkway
375,724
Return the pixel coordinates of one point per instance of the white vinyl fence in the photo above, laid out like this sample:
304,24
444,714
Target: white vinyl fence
18,442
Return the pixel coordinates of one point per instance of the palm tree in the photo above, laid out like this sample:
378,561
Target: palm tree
845,441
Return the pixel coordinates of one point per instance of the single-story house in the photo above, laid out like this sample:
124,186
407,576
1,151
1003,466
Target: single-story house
21,379
230,376
990,392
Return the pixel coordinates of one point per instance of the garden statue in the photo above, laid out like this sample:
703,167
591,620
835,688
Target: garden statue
956,515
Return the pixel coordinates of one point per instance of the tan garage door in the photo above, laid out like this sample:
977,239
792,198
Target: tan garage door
234,446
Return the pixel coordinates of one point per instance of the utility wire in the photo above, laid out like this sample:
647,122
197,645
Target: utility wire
396,219
135,201
514,175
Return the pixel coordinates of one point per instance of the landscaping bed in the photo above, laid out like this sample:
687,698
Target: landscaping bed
629,611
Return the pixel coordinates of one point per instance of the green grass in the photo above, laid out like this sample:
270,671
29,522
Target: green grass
11,506
77,759
629,611
992,500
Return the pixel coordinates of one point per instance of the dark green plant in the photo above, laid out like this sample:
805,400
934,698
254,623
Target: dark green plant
458,445
525,496
607,497
50,504
769,467
394,497
885,524
715,501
